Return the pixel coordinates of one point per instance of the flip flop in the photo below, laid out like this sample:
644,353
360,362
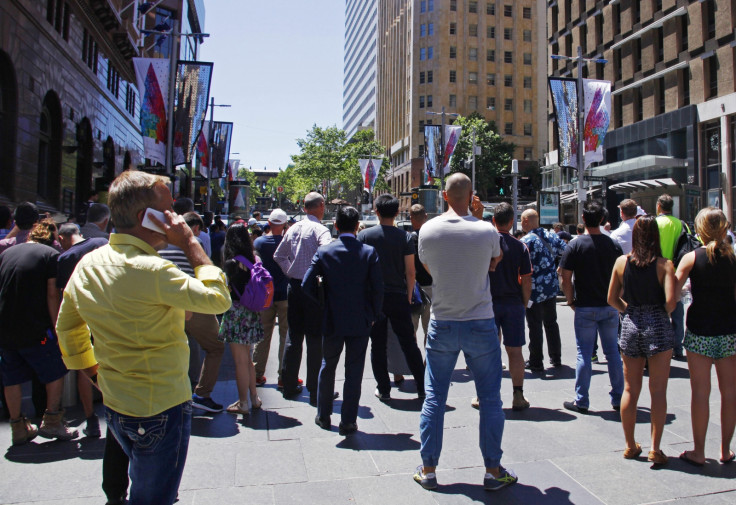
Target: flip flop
729,459
684,457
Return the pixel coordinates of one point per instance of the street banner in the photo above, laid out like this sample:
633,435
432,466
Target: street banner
549,207
597,96
452,135
432,150
152,76
220,138
369,169
203,150
565,104
192,94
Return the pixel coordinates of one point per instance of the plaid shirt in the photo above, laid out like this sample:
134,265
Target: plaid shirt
295,252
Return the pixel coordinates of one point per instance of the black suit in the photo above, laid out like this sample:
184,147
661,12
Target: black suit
353,294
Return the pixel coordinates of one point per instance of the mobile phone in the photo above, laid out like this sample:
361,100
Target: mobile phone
147,223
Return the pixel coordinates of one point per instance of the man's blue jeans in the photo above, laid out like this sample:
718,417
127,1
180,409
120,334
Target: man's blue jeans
678,324
157,448
590,322
478,340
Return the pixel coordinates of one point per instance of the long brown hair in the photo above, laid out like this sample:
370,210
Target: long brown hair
43,232
712,225
645,247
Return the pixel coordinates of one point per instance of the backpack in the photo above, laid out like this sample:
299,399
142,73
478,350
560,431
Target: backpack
686,242
258,293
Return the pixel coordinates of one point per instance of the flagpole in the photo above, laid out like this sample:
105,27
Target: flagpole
172,85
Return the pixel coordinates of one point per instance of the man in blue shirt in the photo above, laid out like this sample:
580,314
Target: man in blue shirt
544,248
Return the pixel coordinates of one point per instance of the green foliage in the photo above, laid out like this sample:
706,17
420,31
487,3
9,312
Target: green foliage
495,157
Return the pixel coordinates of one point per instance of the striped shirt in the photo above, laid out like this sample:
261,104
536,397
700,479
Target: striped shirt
294,253
178,258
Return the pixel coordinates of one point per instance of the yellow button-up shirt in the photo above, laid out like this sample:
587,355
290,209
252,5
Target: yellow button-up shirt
133,302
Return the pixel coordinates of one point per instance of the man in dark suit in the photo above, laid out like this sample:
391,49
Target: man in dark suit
353,296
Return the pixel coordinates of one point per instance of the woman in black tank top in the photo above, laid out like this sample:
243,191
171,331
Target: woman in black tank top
711,330
643,289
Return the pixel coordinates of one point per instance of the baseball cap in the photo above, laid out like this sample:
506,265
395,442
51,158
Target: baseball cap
278,216
252,221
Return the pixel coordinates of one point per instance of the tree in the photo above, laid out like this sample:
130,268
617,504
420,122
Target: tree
495,157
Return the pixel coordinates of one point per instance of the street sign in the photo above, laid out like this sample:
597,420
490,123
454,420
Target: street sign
280,189
593,178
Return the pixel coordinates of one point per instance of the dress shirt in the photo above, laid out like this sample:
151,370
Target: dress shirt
133,302
622,234
295,252
204,239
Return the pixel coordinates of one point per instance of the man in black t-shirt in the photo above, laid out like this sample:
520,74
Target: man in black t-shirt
396,252
591,258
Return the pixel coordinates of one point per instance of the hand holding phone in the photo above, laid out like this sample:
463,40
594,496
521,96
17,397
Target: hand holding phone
148,223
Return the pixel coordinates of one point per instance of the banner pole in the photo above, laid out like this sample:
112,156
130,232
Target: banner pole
172,85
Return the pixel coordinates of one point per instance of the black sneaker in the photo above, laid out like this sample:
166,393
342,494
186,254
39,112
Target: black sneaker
574,407
291,393
594,359
555,363
347,429
325,424
206,403
384,397
533,368
92,430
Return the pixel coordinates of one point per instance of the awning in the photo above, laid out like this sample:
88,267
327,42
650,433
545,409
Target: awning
638,164
648,184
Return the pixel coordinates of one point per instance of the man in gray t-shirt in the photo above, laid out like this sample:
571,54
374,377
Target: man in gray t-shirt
458,251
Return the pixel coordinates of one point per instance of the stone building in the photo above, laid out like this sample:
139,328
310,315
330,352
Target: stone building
69,107
673,121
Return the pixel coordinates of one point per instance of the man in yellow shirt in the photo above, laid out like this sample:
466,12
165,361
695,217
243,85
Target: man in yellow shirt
134,302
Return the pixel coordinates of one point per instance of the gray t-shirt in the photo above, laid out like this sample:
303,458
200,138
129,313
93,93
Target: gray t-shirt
458,252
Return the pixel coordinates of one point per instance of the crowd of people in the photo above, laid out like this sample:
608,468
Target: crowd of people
131,310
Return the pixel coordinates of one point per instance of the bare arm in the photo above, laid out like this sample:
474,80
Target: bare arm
410,274
683,270
615,288
671,295
495,261
526,288
567,287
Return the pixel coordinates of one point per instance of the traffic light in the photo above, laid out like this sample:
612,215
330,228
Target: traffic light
500,183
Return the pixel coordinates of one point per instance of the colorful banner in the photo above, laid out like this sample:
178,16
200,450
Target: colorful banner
597,96
221,136
152,76
190,108
203,150
432,150
565,103
452,135
369,169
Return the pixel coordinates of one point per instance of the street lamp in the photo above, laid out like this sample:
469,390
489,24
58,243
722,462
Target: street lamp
212,136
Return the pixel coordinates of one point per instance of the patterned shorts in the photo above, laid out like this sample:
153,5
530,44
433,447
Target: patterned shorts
646,331
716,347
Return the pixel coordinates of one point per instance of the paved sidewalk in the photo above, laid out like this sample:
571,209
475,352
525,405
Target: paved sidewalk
279,456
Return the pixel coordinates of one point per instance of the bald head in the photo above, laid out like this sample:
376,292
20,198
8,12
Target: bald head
458,189
529,220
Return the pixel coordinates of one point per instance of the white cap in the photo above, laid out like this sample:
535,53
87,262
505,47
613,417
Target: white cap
278,216
252,221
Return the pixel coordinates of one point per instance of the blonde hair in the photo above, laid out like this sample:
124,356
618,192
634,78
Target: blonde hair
711,225
43,232
130,193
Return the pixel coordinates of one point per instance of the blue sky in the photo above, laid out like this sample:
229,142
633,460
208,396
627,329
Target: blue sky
279,63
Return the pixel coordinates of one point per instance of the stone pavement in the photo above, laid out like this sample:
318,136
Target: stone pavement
279,456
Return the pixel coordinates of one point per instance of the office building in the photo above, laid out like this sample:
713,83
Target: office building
359,76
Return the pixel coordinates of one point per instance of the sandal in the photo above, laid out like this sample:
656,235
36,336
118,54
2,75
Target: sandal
729,459
237,408
657,457
630,453
257,404
684,457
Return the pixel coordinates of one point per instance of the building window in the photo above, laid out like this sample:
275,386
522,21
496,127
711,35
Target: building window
660,44
508,81
636,11
527,58
421,77
491,8
421,126
421,101
453,52
508,11
473,30
113,79
422,6
555,16
58,14
430,29
430,52
619,110
685,80
491,55
637,55
430,5
422,54
508,104
422,30
617,68
712,151
662,96
584,38
130,99
430,76
527,82
453,100
508,33
429,100
453,28
527,153
491,32
453,5
473,54
491,102
638,104
491,79
599,29
472,6
508,128
527,35
528,129
453,76
683,33
710,18
711,69
473,102
527,12
617,18
421,151
528,106
473,77
508,57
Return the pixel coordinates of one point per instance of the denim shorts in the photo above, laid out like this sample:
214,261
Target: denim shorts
510,322
44,359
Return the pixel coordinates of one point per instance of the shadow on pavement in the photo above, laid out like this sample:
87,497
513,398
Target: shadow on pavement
365,412
405,405
563,372
43,451
517,493
538,414
380,442
712,468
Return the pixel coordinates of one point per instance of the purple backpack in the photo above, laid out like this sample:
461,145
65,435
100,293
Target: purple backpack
258,293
